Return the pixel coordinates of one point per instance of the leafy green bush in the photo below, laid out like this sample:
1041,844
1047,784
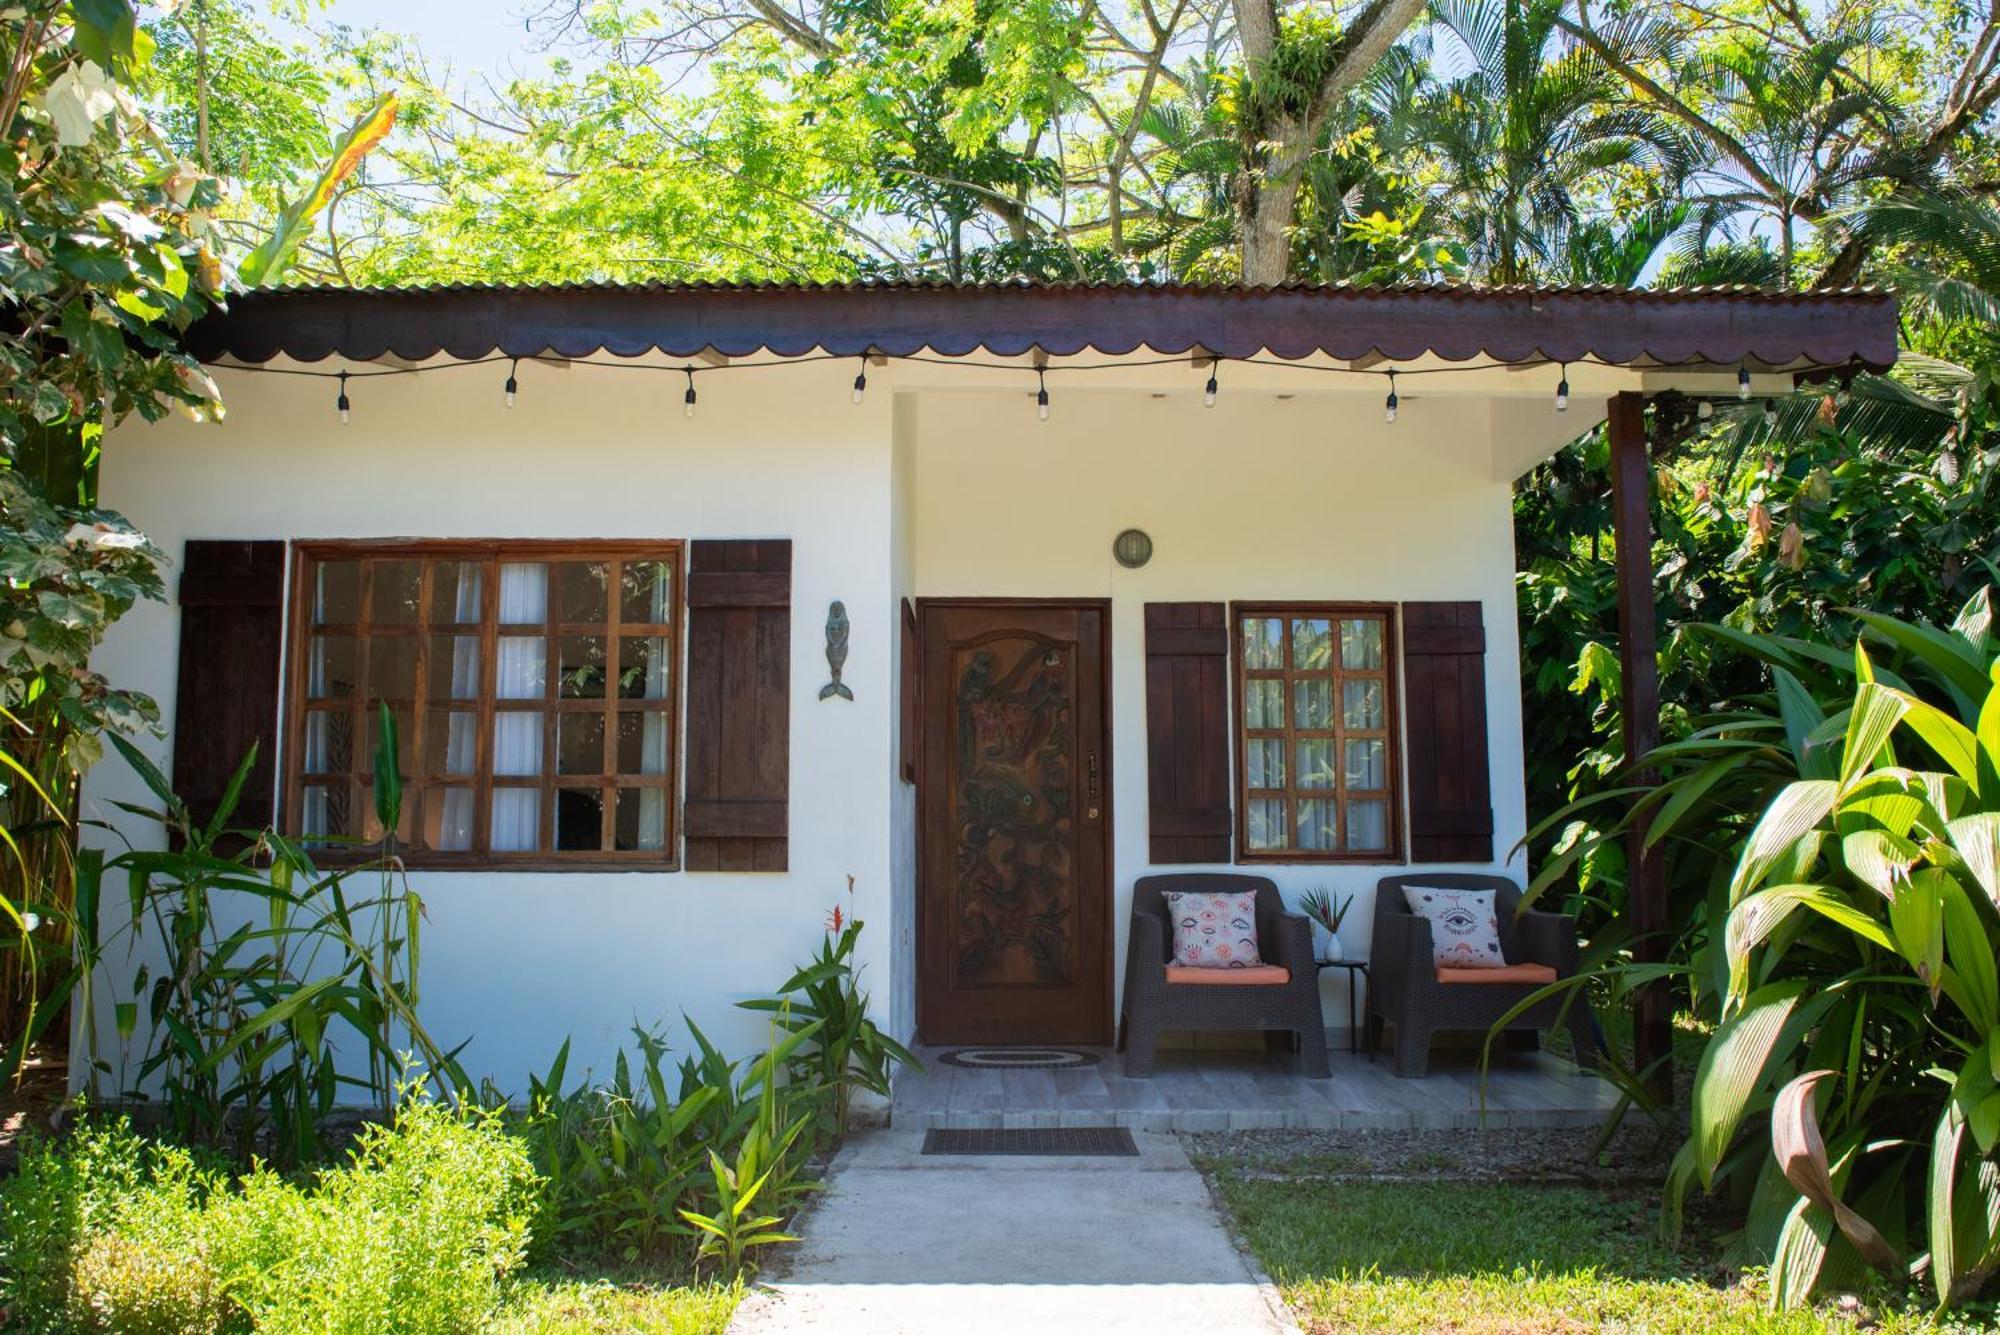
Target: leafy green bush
84,1222
1847,825
416,1234
1860,955
626,1163
246,1017
846,1051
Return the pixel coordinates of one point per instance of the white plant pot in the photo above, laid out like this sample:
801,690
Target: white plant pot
1326,945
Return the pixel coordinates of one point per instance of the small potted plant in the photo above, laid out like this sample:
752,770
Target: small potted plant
1326,915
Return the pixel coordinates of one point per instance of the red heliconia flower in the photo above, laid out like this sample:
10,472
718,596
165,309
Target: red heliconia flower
835,920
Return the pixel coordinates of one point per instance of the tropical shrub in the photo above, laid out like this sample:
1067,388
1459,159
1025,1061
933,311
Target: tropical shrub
66,574
631,1166
843,1050
1861,1004
264,962
1841,830
418,1232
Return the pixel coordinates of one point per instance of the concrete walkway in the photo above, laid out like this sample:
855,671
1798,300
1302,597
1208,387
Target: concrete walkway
900,1244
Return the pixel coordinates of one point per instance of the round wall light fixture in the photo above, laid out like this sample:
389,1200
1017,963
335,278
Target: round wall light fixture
1133,548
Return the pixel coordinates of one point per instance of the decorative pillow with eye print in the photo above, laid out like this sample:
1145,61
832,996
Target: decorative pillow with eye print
1465,933
1214,931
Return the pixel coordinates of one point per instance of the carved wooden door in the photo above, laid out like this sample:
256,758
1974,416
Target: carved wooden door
1014,814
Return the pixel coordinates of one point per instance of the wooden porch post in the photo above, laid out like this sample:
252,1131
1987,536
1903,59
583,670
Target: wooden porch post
1638,661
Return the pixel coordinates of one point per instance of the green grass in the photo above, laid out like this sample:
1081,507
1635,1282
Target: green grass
1498,1257
614,1304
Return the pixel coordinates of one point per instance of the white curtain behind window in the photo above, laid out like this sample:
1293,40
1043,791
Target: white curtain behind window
653,738
519,674
455,818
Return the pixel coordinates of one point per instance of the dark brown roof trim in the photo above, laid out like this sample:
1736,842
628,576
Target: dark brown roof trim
1723,327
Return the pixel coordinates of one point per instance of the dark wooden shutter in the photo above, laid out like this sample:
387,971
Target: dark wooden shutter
1444,680
232,598
1187,732
739,705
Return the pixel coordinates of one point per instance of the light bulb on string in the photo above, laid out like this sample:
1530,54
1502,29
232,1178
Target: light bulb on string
1742,382
1770,412
861,380
1208,390
341,402
1845,394
1562,390
1042,394
513,384
688,398
1389,404
1704,410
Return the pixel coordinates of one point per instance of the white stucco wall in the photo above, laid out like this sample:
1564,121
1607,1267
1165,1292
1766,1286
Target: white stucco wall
1260,497
519,961
938,485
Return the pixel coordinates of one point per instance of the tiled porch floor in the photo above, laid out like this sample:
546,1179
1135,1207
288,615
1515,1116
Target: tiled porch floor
1254,1091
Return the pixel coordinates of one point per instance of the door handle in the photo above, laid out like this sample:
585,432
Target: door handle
1090,768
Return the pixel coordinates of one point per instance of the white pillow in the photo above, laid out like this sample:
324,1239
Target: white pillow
1214,930
1465,933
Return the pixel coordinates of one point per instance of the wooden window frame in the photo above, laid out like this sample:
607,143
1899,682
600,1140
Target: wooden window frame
1391,733
308,555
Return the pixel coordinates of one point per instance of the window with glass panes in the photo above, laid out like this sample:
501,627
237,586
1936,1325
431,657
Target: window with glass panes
533,690
1316,730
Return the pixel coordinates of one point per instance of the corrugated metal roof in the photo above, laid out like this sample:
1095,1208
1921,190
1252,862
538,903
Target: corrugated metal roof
1468,291
1456,321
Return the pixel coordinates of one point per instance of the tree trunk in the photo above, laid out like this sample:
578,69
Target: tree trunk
1267,200
1266,189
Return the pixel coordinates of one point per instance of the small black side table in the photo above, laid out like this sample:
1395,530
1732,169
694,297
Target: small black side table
1356,969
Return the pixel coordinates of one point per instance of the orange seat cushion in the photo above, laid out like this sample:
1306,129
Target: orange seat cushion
1539,975
1261,975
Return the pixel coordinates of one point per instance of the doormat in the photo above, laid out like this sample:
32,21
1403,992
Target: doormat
1017,1059
1074,1142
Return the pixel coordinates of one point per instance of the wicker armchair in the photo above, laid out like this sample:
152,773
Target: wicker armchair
1153,1004
1404,989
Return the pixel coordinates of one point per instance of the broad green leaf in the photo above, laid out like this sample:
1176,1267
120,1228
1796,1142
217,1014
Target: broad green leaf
1732,1070
1798,809
1878,858
1976,839
267,262
1916,921
1954,743
1753,920
1686,792
1957,664
1969,955
1802,716
1877,710
1800,1255
1947,1255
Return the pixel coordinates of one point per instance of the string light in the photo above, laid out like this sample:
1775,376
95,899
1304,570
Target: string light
1704,407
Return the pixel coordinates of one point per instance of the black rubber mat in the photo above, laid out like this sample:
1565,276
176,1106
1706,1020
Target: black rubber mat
1074,1142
